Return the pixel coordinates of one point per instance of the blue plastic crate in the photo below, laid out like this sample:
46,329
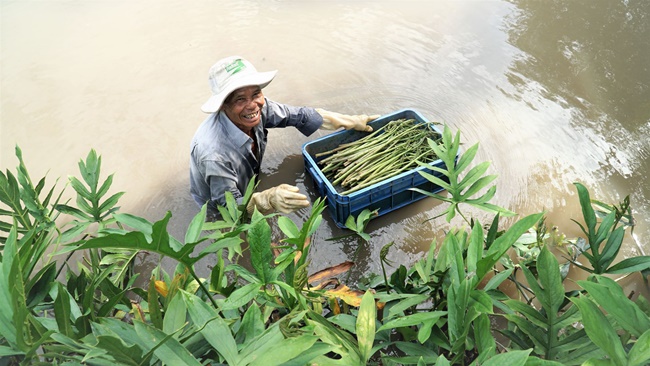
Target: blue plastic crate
385,196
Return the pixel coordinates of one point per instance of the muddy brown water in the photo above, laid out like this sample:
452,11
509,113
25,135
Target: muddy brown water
553,91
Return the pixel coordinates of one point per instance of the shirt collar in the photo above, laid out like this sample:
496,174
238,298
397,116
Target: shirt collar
238,137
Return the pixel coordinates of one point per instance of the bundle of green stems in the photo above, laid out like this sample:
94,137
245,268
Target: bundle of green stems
386,152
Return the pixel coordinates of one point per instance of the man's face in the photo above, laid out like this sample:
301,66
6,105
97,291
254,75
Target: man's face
244,107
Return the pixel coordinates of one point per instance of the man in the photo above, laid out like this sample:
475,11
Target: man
228,147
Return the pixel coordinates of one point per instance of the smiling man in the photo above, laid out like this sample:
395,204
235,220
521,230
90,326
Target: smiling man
227,149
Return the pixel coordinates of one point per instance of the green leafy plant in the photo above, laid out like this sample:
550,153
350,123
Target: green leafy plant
608,233
462,187
623,334
548,332
436,311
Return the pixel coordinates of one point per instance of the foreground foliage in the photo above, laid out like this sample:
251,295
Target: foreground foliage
445,309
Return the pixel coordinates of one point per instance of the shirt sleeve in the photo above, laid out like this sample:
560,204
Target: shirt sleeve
305,119
221,178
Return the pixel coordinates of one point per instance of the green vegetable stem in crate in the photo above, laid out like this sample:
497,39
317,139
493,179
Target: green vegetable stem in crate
392,149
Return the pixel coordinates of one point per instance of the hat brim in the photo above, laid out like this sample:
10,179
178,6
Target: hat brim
261,79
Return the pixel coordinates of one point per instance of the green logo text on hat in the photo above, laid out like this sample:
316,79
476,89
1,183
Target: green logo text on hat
235,66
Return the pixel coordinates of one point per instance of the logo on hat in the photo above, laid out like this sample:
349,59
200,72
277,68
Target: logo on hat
235,66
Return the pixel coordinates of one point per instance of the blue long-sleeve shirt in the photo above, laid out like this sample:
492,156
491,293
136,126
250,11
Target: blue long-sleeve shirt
221,158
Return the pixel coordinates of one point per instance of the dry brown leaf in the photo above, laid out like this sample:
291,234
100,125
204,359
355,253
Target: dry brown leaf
322,285
349,296
330,272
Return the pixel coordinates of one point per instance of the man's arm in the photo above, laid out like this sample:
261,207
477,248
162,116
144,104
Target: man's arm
305,119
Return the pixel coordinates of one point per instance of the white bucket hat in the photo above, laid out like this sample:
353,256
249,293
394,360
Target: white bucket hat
230,74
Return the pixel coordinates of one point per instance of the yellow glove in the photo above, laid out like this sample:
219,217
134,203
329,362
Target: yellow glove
334,121
283,198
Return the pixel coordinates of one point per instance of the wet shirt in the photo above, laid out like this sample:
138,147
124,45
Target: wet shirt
222,159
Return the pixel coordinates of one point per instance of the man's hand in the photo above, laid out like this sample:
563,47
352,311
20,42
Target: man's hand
334,121
283,198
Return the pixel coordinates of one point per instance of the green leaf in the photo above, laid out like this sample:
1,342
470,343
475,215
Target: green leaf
413,319
410,301
300,277
612,247
510,358
196,226
175,315
495,209
551,280
424,333
366,325
80,188
216,275
495,281
433,179
214,329
256,351
90,169
529,312
105,186
155,314
135,222
475,249
62,311
331,335
475,179
587,210
259,240
7,352
242,272
582,355
609,295
9,191
288,227
467,157
485,344
252,325
534,333
40,283
164,346
480,202
230,242
160,243
363,218
9,271
85,206
481,301
123,354
640,352
110,202
629,265
242,296
308,356
600,331
604,228
505,242
287,350
73,211
442,361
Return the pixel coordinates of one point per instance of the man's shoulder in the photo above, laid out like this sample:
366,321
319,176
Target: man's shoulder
210,138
